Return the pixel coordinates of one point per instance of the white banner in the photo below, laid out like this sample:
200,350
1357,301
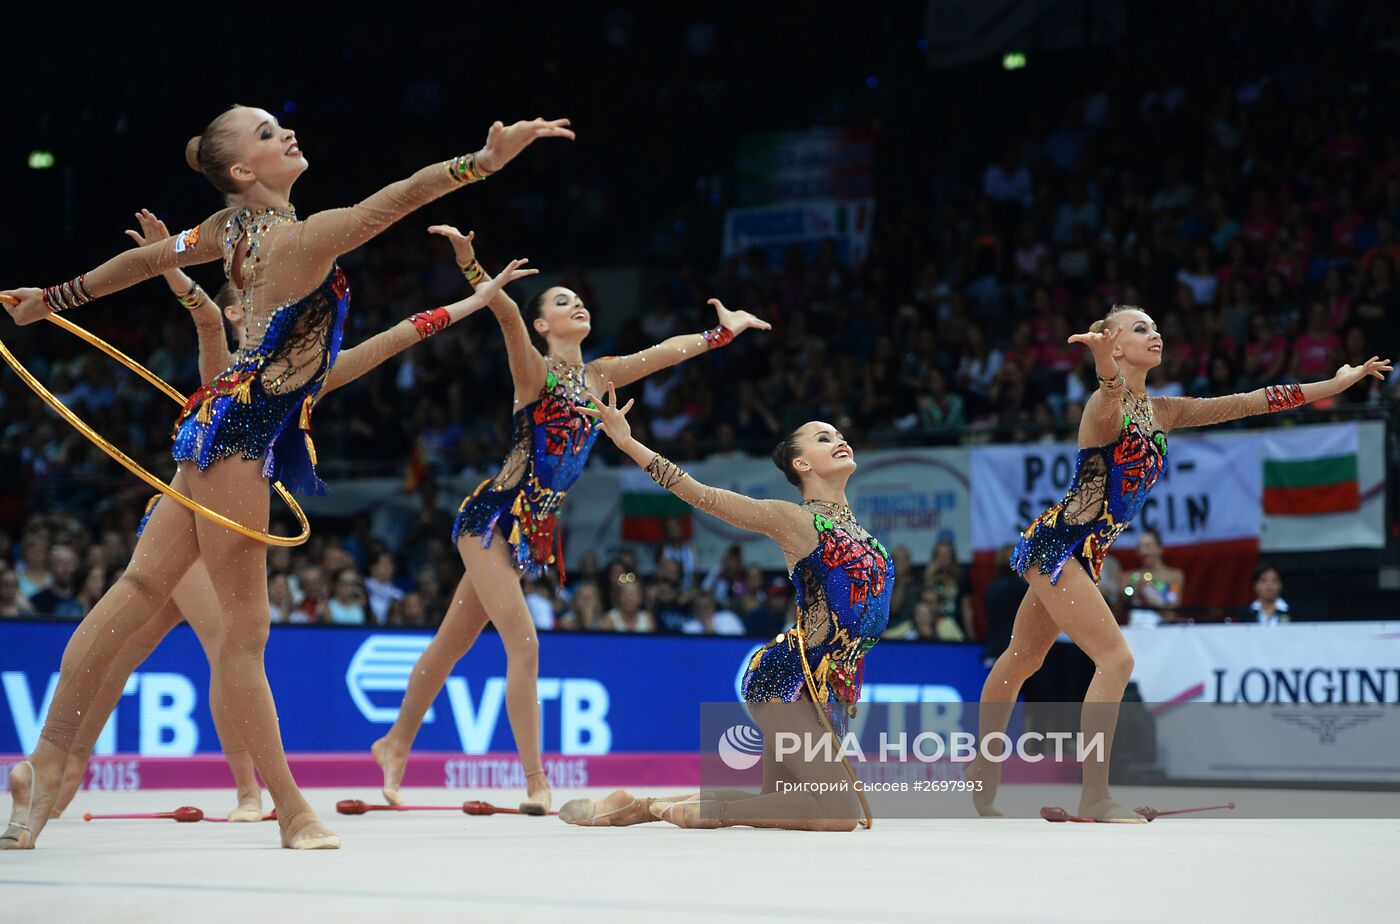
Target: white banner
1304,690
1211,491
776,228
905,497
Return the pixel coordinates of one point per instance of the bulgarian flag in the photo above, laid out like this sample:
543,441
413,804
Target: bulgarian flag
646,506
1311,470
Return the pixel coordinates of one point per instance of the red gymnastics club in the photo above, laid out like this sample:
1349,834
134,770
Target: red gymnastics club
184,815
1151,813
1055,813
358,807
9,299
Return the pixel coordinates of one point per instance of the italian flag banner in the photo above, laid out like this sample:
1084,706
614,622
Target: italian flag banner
646,506
1310,471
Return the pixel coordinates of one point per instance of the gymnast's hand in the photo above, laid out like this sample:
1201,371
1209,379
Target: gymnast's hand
487,290
152,229
25,305
612,417
504,142
462,247
1348,376
738,321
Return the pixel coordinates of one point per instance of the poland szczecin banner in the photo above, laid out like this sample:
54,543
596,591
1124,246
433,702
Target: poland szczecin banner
912,498
1313,699
1206,506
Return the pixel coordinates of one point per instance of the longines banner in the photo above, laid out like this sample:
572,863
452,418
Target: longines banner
906,497
1325,684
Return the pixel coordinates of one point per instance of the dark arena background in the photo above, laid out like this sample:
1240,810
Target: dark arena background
925,200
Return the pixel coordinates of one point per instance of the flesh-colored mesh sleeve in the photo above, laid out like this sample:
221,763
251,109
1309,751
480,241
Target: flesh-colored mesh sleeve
782,521
363,357
200,244
326,235
214,356
1176,413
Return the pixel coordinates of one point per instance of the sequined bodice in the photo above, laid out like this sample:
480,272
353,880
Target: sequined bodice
1112,482
844,587
552,440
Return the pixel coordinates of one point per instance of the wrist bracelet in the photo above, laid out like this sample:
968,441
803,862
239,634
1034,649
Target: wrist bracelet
67,295
1283,397
473,271
1112,384
191,299
663,471
717,337
465,169
430,322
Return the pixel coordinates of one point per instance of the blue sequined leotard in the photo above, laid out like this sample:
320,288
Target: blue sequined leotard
1110,485
552,443
249,408
843,587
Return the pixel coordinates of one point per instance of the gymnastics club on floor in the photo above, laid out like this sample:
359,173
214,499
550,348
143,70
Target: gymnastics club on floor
184,814
359,807
1151,813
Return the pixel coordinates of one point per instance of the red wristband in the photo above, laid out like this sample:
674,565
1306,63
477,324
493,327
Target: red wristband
1283,397
717,337
430,322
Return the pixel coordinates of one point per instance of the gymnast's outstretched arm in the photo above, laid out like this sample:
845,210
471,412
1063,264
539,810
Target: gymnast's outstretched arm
1201,412
784,522
363,357
624,370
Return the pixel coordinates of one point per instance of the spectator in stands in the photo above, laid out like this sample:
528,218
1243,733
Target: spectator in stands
94,585
60,598
627,615
677,548
944,577
346,606
1269,608
585,612
12,602
311,608
32,568
279,598
380,588
725,582
708,620
409,612
1154,589
771,618
540,602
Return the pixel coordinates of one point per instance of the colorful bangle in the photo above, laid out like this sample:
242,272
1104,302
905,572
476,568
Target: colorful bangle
717,337
1283,397
67,295
465,169
473,271
430,322
192,299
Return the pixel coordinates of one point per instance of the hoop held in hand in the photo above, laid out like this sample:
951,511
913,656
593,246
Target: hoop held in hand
77,423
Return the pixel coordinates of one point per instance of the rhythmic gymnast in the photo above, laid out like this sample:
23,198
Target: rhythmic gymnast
521,505
193,598
1123,451
843,578
248,426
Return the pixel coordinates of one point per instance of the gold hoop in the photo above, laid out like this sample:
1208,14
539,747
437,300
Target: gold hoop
77,423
